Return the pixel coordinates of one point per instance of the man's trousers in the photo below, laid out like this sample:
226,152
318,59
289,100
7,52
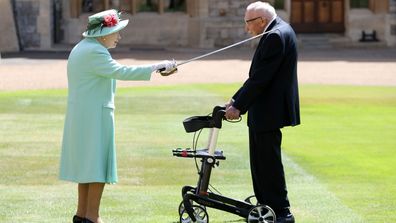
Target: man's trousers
267,169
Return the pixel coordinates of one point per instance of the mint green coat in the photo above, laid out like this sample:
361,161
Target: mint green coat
88,148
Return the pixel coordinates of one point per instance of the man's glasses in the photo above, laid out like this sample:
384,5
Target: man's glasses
251,20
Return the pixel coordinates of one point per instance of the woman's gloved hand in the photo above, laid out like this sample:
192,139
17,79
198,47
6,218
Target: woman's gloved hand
164,66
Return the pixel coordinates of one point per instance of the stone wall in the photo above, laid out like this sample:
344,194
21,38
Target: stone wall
365,20
8,37
34,23
157,30
208,24
226,24
390,32
213,23
26,13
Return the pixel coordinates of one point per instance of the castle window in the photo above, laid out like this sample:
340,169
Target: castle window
359,3
279,4
131,6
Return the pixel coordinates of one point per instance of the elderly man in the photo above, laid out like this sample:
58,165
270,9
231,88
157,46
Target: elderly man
270,96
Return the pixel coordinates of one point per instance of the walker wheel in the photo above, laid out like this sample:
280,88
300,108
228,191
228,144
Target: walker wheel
181,206
252,200
261,214
199,212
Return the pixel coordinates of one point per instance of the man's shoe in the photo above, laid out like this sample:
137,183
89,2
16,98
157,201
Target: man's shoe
289,218
77,219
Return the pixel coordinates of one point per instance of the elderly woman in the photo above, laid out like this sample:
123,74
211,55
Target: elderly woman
88,150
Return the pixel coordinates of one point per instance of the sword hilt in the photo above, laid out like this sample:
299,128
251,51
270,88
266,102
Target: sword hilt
167,73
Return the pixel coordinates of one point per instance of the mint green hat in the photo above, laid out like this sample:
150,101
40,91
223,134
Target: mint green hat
104,23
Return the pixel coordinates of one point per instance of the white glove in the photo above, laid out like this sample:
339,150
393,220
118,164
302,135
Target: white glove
168,65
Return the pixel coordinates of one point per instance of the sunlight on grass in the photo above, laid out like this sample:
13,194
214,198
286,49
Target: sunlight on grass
339,163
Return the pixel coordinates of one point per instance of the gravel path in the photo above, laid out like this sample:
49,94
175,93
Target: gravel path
47,70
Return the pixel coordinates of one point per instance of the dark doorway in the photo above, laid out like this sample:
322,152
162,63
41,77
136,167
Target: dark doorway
317,16
57,21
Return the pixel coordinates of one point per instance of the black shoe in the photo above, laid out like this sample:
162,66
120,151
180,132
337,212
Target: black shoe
289,218
77,219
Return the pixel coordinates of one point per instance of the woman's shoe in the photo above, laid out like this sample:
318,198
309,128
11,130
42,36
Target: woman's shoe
77,219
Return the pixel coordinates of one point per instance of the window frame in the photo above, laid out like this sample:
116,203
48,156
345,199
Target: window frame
76,7
359,4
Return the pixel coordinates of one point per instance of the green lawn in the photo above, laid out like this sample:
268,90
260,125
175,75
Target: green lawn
340,163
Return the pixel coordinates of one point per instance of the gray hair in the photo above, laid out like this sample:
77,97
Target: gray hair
262,8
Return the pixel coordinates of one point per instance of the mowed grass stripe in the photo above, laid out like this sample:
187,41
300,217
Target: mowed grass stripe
311,200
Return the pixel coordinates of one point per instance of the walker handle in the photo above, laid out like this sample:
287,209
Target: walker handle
218,115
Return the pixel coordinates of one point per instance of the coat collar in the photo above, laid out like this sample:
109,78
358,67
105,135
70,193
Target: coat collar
275,21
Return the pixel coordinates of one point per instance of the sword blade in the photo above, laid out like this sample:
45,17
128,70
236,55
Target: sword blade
222,49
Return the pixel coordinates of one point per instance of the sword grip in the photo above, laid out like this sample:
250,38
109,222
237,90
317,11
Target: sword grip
166,73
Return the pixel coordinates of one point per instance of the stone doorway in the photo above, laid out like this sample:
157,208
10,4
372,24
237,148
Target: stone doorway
318,16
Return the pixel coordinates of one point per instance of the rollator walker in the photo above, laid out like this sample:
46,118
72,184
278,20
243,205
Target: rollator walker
196,200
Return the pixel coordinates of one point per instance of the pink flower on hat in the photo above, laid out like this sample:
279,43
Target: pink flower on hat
110,20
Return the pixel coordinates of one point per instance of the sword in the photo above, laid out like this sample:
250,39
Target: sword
167,73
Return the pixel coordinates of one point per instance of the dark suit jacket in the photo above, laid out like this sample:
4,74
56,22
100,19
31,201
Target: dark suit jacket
270,94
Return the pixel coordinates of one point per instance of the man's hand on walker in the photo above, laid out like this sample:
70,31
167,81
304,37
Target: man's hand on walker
232,113
230,103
